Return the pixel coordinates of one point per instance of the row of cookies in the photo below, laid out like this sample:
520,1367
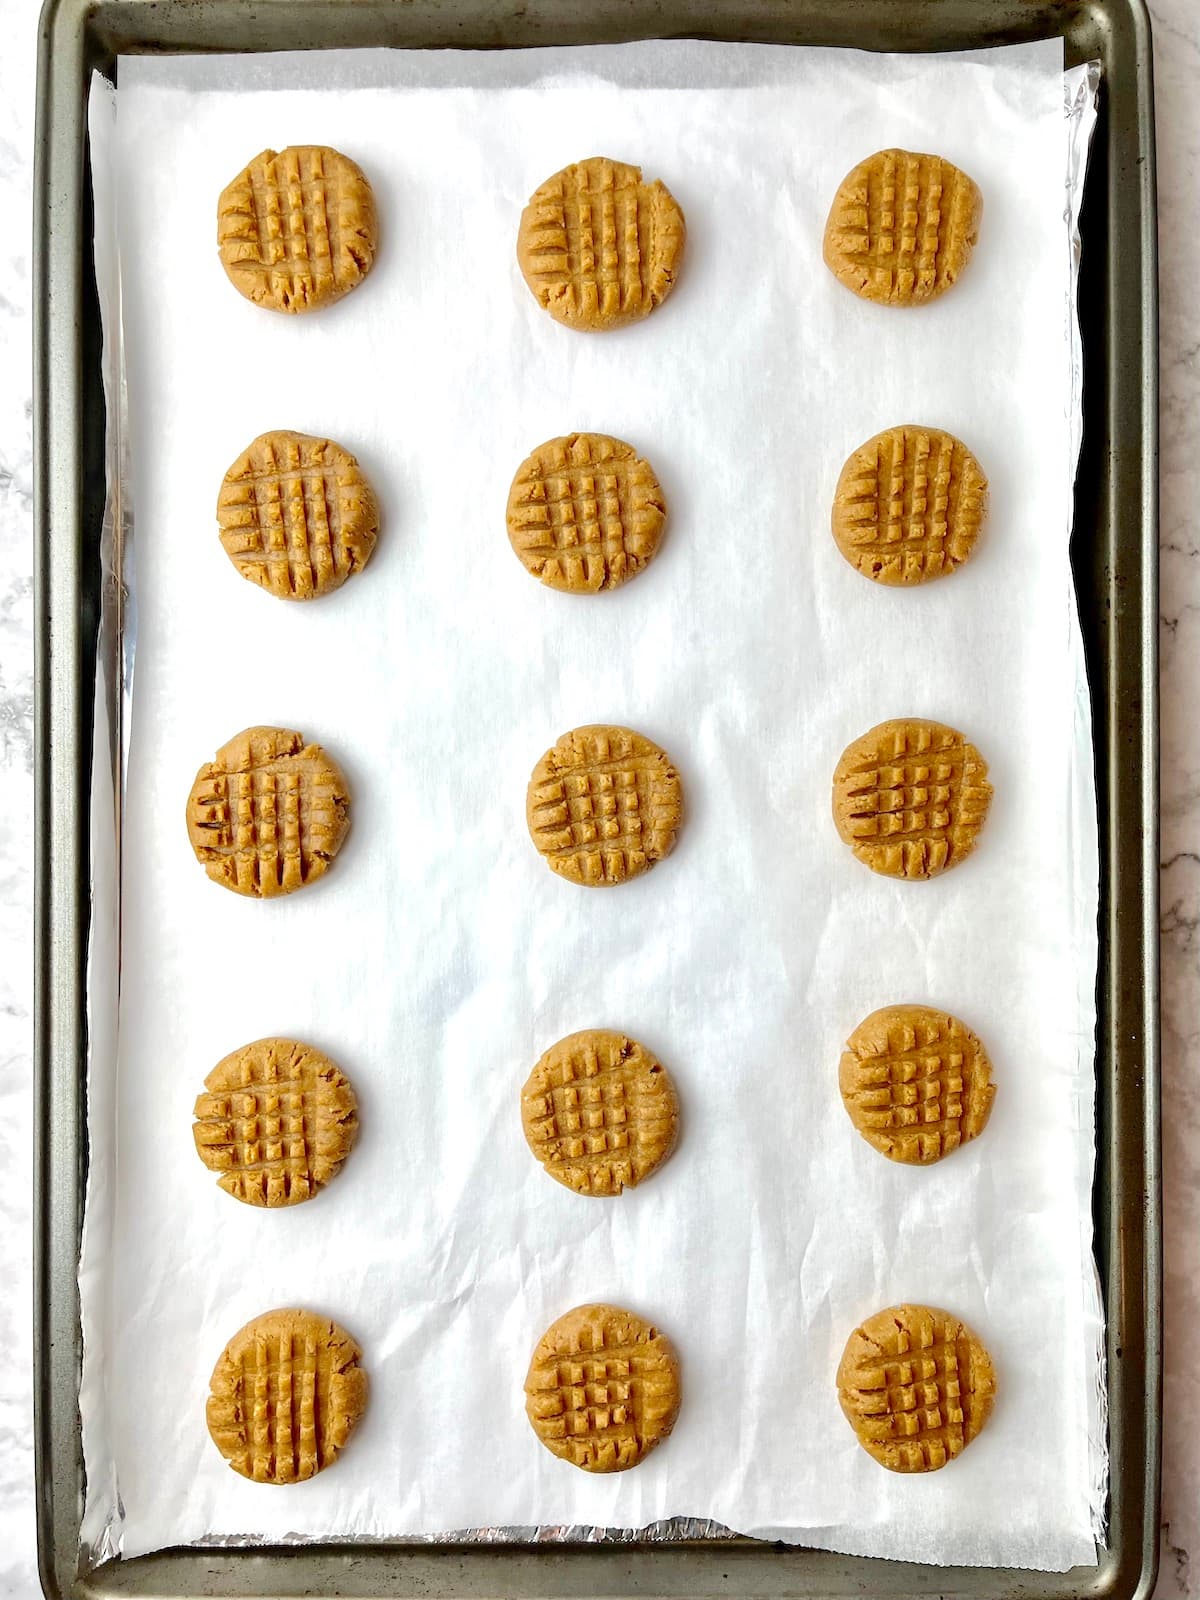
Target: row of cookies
586,512
602,1390
278,1118
270,812
599,1111
597,245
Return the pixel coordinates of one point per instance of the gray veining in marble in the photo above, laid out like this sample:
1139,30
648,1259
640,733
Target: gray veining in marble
1177,65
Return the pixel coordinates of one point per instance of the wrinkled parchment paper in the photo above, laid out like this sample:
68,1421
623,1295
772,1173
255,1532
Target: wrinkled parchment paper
439,957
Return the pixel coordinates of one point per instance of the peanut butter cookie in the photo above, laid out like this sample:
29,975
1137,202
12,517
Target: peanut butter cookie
599,1112
277,1120
916,1083
902,227
603,1388
909,505
910,797
916,1386
285,1396
296,228
599,247
269,814
603,805
296,515
585,512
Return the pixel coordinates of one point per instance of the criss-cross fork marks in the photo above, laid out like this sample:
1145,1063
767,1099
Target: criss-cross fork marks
913,1403
602,1388
296,515
606,821
600,1114
919,1092
593,1403
919,799
268,816
267,821
295,214
903,226
258,1135
297,526
909,505
285,1396
595,236
598,245
585,513
912,805
276,1123
603,805
296,228
906,223
290,232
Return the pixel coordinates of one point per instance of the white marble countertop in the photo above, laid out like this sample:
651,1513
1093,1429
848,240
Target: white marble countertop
1177,75
1177,68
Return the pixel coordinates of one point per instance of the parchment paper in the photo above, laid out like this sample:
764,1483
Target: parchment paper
439,957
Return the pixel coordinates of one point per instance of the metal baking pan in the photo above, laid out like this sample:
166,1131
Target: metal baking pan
1115,559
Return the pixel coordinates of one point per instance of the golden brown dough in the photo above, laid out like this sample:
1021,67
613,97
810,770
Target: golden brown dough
909,505
902,227
297,516
910,797
599,1112
604,804
296,228
916,1386
585,512
269,813
602,1388
276,1121
598,247
285,1396
916,1083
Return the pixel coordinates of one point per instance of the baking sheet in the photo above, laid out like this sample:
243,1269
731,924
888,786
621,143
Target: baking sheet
440,957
